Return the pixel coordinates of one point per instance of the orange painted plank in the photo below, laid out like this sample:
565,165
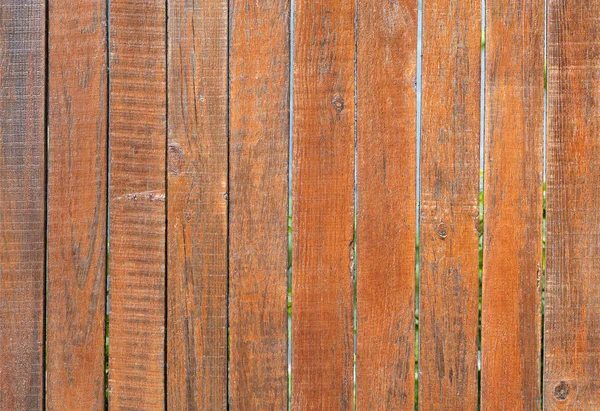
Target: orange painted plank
259,127
77,178
512,257
22,204
197,205
449,205
323,206
137,204
386,232
572,326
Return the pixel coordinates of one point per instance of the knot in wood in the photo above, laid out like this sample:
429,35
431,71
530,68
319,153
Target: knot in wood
561,391
338,103
175,157
442,230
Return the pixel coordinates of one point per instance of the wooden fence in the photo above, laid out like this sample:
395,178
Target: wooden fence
150,254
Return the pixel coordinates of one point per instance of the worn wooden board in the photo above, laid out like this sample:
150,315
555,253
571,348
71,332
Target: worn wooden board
22,204
137,204
77,175
386,231
323,212
449,205
513,201
197,205
259,129
572,327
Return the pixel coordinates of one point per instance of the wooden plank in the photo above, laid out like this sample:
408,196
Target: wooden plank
512,258
197,205
572,327
137,204
323,211
386,87
449,205
22,204
259,127
77,175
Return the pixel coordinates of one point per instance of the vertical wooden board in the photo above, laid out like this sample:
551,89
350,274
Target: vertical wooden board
259,113
77,174
137,204
572,309
22,204
386,88
449,205
512,257
323,212
197,205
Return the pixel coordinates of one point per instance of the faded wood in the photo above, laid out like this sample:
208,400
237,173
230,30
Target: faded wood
22,205
449,205
572,327
259,130
386,232
137,204
77,175
323,220
197,206
512,258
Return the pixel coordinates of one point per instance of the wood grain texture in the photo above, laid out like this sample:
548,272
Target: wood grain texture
386,87
449,205
22,204
77,175
323,205
197,206
259,129
572,326
137,204
513,201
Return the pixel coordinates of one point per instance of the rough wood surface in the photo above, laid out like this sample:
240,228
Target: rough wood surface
137,204
22,205
197,206
77,174
323,211
386,87
512,258
449,205
259,64
572,326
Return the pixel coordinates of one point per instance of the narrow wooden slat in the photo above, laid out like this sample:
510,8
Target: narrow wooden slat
322,216
386,87
22,204
77,174
259,127
137,204
512,265
572,316
449,205
197,206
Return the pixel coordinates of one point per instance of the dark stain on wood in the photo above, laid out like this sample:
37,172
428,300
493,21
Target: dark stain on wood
511,313
137,204
571,326
259,107
22,205
449,203
386,232
323,205
77,187
197,211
